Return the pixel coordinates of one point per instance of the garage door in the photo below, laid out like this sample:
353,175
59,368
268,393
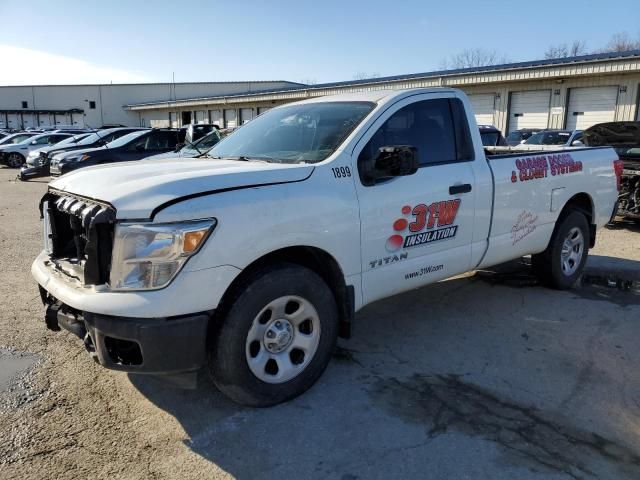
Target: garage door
77,119
246,114
28,120
201,116
44,119
13,121
588,106
483,107
215,117
61,118
173,119
230,118
529,109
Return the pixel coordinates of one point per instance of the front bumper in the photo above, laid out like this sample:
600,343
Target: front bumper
160,346
190,291
34,171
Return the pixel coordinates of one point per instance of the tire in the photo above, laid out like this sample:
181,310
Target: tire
15,160
561,264
279,313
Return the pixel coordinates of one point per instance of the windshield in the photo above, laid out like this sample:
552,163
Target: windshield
70,141
202,145
119,142
631,153
94,137
298,133
490,139
18,138
549,138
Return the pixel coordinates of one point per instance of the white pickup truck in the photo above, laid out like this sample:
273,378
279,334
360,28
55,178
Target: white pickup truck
251,261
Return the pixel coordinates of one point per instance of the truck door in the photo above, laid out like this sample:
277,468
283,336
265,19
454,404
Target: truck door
417,229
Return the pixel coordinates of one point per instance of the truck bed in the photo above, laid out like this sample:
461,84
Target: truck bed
530,189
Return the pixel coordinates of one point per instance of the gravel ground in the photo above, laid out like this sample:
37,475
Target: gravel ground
486,376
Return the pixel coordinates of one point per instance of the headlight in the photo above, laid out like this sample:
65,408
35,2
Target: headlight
76,158
149,256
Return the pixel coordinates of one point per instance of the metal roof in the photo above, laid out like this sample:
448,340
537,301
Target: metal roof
143,84
506,67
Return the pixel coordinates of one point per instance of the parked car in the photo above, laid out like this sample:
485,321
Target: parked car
520,136
191,150
624,137
565,138
39,166
491,136
15,155
14,138
252,265
133,146
195,132
33,167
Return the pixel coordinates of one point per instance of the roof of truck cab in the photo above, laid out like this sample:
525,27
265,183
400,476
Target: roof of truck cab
377,96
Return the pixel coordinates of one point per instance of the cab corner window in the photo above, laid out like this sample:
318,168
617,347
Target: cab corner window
430,127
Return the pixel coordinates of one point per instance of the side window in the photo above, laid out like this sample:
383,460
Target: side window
161,140
169,140
429,127
41,141
53,139
139,144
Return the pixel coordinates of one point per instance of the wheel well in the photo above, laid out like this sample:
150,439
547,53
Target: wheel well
583,203
314,259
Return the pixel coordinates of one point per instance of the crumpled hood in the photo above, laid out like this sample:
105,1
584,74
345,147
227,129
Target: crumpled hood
135,189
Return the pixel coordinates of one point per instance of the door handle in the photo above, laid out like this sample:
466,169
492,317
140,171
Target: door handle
462,188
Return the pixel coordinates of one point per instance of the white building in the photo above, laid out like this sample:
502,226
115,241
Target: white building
572,93
98,105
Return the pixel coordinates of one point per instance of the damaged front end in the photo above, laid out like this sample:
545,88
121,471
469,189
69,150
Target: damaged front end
78,237
629,197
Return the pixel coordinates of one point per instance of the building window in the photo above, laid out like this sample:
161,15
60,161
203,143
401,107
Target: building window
25,104
92,104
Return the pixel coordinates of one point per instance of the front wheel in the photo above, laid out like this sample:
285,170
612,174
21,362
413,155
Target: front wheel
15,160
560,265
276,337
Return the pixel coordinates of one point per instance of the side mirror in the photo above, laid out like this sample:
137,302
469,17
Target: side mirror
522,141
577,143
391,161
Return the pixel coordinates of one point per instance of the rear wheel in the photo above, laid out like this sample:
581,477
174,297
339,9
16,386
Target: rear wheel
15,160
560,265
276,338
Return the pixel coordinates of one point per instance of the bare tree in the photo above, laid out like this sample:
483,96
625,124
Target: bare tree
563,50
365,75
621,42
474,57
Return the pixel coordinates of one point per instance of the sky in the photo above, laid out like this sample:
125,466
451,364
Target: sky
62,42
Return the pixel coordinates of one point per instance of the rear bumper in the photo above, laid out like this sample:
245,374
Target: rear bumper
160,346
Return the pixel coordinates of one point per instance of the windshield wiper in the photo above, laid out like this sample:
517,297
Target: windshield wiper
244,158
